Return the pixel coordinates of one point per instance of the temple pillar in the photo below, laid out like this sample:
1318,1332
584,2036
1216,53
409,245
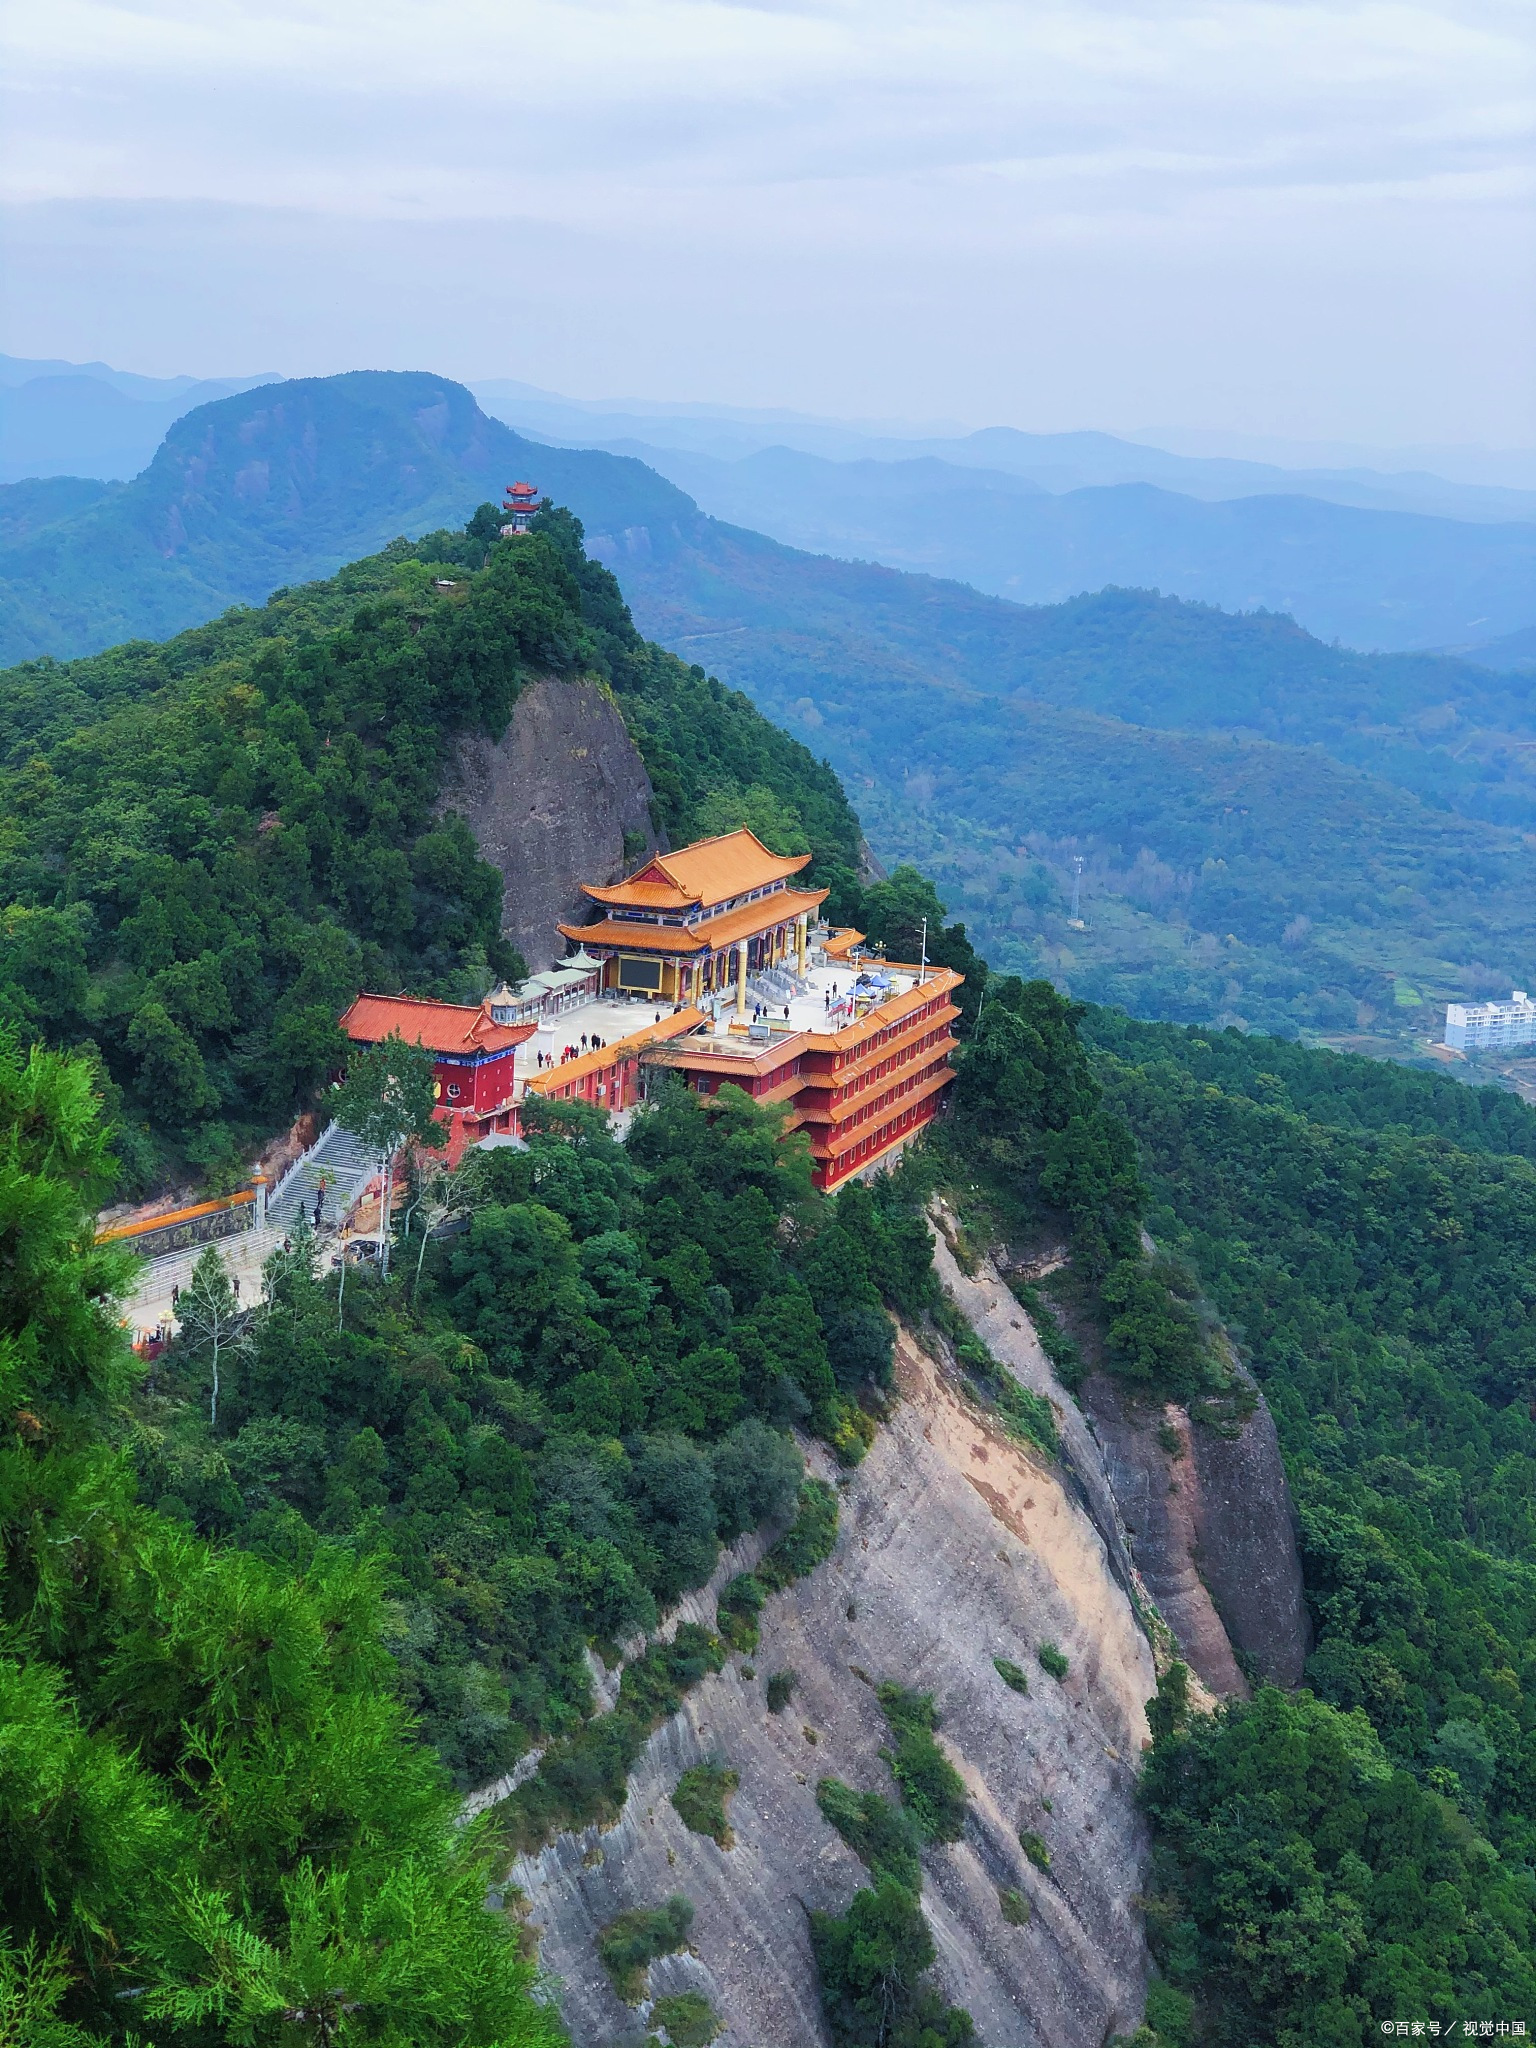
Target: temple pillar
741,977
800,934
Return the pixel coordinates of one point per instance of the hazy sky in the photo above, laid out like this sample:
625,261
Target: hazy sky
1299,218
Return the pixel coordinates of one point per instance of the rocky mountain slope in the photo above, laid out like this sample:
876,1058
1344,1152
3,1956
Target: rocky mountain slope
560,799
1200,1516
957,1545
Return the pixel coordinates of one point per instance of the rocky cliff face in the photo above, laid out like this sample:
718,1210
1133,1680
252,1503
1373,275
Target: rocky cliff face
560,799
1202,1522
1245,1527
956,1546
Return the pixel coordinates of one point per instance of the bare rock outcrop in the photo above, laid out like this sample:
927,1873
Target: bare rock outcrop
1246,1532
553,803
1201,1522
1158,1495
1214,1533
956,1546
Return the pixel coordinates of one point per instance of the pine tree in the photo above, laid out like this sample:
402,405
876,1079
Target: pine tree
218,1826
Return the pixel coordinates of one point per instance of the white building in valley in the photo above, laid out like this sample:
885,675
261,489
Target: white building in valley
1482,1027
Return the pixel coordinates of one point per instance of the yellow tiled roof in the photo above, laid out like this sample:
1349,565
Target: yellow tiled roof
708,872
724,930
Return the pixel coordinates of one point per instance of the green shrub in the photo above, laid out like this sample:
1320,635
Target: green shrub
1016,1909
653,1685
884,1837
852,1433
1066,1360
688,2019
740,1603
629,1945
873,1961
1034,1849
1010,1673
1022,1413
780,1688
808,1542
1052,1660
701,1796
1170,2014
1155,1340
1027,1415
583,1778
932,1790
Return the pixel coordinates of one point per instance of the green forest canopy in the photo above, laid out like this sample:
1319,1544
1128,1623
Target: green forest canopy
1338,814
1367,1849
225,1637
218,1824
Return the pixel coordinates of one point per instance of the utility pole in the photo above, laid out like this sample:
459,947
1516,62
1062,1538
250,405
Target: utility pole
925,950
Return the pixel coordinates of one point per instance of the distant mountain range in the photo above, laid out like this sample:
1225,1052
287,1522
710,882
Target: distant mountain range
1374,559
86,419
1055,462
1373,579
1274,830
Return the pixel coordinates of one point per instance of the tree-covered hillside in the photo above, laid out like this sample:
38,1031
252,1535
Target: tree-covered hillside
1365,1851
804,632
1225,878
219,1825
434,1494
1361,1852
265,1606
210,845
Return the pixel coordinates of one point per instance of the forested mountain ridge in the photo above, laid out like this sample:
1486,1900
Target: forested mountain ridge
289,481
1368,1236
382,1512
1101,727
277,485
214,842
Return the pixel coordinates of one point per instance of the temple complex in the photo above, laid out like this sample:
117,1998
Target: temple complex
704,963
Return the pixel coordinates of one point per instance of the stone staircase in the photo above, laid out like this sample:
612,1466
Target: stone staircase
336,1159
775,986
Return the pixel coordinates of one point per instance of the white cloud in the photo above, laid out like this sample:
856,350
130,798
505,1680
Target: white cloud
1198,162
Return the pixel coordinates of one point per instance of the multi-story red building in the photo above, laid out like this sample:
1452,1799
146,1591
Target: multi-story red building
861,1087
857,1048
